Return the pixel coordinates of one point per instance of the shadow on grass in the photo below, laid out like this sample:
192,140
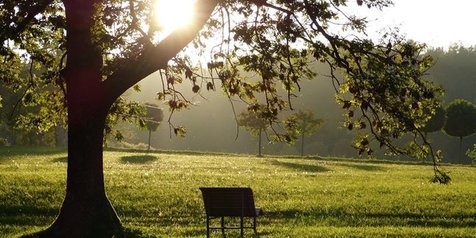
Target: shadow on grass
61,159
135,233
30,215
366,167
339,217
228,233
6,151
17,153
139,159
302,167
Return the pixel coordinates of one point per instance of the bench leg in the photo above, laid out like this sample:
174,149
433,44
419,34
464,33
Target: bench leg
241,226
254,224
223,226
208,227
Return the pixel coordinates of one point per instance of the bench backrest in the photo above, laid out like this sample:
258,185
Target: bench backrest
234,202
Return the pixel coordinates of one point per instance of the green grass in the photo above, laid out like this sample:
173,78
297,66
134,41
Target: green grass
156,194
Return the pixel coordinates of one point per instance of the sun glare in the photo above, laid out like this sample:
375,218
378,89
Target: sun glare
173,14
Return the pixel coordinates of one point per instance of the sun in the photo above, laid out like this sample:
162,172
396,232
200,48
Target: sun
173,14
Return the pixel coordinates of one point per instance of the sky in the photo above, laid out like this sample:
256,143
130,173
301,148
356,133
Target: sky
439,23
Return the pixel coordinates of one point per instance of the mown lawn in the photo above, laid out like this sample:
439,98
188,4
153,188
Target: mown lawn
156,194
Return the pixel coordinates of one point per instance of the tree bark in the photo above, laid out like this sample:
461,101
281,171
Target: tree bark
302,144
86,210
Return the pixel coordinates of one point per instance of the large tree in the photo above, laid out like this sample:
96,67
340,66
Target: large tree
85,54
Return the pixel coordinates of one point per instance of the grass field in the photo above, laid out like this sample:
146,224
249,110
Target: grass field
156,194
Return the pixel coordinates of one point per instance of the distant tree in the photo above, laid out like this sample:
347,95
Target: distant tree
154,116
461,121
454,70
15,124
436,122
472,153
255,124
306,125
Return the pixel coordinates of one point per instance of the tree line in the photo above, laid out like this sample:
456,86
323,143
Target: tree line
453,70
332,138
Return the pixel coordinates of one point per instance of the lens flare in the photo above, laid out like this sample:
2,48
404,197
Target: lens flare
173,14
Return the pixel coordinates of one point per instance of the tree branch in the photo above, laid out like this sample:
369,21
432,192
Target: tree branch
156,57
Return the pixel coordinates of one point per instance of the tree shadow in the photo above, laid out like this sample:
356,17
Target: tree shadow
138,159
365,167
343,218
7,151
26,214
302,167
131,232
61,159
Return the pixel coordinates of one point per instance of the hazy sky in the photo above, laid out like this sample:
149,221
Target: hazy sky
438,23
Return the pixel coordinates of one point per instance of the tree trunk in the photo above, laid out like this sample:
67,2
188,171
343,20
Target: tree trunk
86,210
460,149
302,144
259,143
150,134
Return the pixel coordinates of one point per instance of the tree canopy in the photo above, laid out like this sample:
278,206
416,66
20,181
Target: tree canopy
252,122
255,124
154,116
472,153
306,125
461,120
436,122
81,56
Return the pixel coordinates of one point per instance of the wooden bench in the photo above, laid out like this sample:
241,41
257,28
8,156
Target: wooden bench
230,202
